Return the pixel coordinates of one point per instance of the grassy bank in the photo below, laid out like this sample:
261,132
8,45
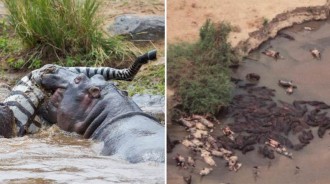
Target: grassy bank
150,80
199,72
69,33
66,31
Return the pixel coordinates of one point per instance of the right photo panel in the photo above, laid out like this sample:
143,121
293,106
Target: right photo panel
248,94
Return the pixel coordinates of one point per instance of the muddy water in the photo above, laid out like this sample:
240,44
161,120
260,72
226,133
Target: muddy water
312,78
54,156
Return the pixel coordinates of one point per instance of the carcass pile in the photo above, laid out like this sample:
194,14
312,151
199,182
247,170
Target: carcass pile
201,142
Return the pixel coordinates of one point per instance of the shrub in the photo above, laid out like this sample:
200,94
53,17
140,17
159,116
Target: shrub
207,91
64,28
200,71
213,44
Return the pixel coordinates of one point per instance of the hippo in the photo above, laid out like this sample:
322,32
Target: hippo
97,109
83,102
28,97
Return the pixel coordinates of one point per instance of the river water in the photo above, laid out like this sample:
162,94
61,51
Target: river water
312,78
55,156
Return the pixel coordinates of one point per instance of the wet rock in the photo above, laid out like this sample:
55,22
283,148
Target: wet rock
151,104
146,27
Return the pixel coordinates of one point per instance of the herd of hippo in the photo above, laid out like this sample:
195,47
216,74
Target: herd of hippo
82,101
258,118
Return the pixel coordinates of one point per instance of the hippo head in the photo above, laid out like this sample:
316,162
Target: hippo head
96,109
81,103
78,100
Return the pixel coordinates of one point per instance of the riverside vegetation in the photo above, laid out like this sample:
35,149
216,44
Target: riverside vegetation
68,33
199,72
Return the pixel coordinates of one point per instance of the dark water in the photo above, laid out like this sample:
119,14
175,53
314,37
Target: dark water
312,78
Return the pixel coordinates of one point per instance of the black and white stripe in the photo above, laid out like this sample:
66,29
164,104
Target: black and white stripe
118,74
24,101
26,97
109,73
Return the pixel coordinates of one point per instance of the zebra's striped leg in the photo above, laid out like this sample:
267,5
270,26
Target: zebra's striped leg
25,98
23,101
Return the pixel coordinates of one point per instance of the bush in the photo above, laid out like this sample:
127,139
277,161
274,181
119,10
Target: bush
207,91
64,28
213,45
200,71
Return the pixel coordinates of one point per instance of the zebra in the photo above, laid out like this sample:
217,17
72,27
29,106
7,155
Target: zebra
118,74
27,95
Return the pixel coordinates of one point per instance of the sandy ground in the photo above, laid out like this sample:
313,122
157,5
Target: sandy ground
184,18
112,8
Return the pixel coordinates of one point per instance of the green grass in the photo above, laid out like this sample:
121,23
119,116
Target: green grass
199,72
150,80
64,29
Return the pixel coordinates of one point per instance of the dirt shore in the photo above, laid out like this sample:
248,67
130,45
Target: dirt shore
184,18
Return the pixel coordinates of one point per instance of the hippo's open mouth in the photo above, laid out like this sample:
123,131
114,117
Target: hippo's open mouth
57,97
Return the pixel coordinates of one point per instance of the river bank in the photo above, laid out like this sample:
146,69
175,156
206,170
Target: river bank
297,65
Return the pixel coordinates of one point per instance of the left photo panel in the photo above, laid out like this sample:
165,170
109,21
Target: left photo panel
82,91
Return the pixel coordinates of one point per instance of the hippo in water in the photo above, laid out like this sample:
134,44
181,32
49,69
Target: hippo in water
91,107
97,109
